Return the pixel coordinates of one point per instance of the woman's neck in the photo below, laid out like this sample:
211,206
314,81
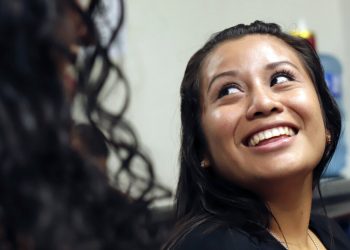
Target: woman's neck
290,205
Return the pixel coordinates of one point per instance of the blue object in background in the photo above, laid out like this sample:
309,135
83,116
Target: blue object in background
333,73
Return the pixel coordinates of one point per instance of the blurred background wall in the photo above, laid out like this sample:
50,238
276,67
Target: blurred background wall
161,35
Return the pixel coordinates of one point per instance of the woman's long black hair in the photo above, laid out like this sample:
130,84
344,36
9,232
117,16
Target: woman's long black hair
50,198
204,196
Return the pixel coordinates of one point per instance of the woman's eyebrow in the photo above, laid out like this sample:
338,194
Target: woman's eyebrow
222,74
279,63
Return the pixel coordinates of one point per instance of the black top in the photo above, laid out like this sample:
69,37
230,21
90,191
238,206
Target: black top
232,239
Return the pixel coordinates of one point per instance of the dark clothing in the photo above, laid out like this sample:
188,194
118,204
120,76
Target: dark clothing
235,239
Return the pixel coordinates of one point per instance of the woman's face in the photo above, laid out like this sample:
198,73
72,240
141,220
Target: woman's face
261,115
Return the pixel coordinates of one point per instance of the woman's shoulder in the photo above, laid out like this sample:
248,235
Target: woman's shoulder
208,237
329,232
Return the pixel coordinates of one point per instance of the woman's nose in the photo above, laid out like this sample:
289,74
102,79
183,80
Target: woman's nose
263,102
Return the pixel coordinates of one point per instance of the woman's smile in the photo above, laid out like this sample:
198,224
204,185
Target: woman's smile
269,135
261,116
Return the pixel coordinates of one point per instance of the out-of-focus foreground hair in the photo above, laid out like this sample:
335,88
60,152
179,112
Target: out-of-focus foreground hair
49,197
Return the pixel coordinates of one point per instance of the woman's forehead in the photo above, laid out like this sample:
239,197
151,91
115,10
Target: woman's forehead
250,51
252,47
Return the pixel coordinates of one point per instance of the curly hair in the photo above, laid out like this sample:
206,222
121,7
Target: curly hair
50,198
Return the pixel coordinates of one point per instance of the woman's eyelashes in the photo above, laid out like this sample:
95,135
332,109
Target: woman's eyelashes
228,89
281,77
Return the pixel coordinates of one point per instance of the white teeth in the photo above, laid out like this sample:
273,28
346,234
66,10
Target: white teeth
269,133
275,132
281,130
256,139
261,136
291,132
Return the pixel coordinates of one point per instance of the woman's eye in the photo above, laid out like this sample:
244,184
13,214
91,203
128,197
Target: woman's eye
228,90
281,78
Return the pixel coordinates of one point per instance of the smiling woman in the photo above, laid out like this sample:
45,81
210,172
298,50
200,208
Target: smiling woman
253,119
259,127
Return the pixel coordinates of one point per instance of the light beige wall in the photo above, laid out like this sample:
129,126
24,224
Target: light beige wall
345,17
162,35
